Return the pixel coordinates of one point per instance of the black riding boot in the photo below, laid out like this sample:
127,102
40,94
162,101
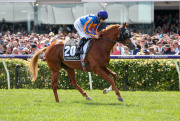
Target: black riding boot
81,43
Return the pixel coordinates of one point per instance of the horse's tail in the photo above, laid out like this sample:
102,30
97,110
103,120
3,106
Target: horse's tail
34,63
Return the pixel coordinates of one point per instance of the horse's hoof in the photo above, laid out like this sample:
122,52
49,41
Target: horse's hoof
120,99
88,98
105,91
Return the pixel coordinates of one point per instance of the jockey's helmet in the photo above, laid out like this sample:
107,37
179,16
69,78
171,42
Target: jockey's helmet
103,14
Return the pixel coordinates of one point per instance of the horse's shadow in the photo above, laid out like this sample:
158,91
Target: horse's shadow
110,104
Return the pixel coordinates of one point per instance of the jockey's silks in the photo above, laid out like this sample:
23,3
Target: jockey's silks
90,23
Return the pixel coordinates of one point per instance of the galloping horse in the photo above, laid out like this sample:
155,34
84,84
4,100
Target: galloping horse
96,60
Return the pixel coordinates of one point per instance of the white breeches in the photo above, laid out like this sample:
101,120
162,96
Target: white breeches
80,28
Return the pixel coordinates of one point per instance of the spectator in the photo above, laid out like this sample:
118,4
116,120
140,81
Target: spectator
178,53
145,52
5,45
8,50
164,42
137,50
151,51
15,51
120,47
33,48
25,51
1,49
42,44
175,46
55,29
160,47
142,43
50,30
115,51
22,43
20,51
15,44
126,51
167,50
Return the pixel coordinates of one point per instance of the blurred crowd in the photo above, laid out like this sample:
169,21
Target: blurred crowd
158,44
164,40
19,44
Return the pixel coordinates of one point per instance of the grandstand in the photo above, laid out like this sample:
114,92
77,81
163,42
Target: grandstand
38,15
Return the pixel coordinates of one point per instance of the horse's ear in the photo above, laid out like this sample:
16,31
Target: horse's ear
124,25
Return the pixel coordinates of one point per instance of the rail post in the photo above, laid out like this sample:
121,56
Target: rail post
177,67
7,72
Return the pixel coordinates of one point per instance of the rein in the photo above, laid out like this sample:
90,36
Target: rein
102,39
109,40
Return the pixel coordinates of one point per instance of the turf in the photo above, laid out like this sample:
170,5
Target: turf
40,105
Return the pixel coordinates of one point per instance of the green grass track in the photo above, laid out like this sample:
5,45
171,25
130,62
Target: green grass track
40,105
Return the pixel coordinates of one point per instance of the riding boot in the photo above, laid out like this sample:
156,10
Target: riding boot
81,43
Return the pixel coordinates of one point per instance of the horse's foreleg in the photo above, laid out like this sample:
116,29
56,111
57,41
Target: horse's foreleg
110,72
105,75
72,79
54,84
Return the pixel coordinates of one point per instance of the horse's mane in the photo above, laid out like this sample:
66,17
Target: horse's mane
104,31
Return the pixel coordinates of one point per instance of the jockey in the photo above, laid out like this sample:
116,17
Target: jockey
87,27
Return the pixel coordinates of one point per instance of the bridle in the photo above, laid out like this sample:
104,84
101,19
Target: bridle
122,36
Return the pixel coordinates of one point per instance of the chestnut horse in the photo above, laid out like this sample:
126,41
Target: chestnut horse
96,60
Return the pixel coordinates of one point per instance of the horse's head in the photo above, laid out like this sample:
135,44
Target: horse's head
126,38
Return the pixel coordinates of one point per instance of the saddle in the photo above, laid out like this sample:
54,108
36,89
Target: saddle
70,50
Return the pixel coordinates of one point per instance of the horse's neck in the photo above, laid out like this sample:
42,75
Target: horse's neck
108,45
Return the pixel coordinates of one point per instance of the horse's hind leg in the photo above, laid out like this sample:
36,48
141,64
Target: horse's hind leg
54,84
54,66
71,74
